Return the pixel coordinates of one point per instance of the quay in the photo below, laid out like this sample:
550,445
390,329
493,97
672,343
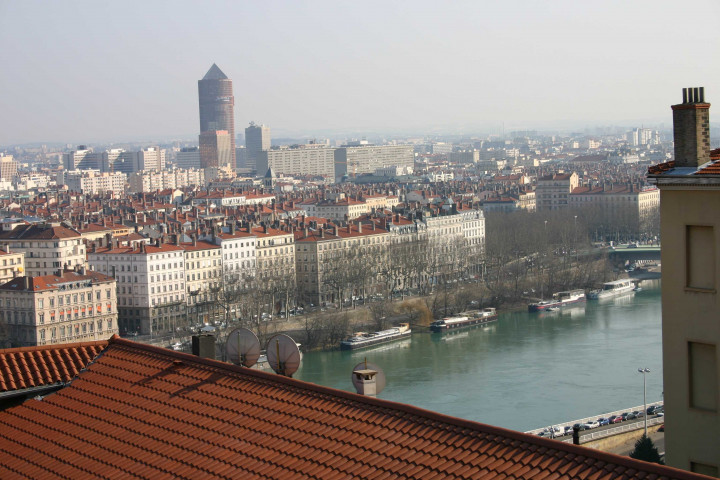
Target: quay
605,430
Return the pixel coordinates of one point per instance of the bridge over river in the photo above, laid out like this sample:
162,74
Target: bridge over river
634,254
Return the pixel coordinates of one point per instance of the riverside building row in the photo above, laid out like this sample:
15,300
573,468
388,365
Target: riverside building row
162,282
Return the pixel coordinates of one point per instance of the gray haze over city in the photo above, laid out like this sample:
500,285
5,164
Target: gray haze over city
98,71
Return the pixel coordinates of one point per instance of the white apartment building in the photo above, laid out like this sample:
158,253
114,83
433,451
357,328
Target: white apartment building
357,159
68,307
150,181
83,159
30,182
48,247
203,274
93,182
12,264
275,253
150,285
237,254
318,160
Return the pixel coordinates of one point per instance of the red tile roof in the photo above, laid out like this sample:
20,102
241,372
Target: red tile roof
39,232
37,366
148,412
52,282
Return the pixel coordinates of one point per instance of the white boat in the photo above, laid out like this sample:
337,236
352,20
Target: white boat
560,299
611,289
477,317
363,339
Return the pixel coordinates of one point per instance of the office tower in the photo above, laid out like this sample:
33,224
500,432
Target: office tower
188,157
216,149
359,159
8,167
257,140
217,105
83,159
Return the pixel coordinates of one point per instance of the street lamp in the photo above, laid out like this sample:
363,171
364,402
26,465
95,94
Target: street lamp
644,371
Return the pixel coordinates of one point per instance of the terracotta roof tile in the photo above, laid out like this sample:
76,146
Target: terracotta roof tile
149,412
28,367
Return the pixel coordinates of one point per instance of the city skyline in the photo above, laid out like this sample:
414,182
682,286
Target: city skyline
130,71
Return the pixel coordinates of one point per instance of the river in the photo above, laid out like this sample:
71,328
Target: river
525,371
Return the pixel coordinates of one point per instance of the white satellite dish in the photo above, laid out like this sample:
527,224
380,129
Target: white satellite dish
364,372
242,347
283,355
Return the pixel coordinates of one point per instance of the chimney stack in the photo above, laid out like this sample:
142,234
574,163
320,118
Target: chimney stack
691,129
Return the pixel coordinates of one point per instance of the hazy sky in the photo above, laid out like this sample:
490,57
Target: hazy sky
91,71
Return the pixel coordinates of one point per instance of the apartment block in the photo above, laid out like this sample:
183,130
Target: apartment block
66,307
553,191
12,264
355,160
150,285
93,182
300,161
47,247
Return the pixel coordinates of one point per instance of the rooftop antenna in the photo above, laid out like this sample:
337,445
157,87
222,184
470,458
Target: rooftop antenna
242,347
283,355
368,378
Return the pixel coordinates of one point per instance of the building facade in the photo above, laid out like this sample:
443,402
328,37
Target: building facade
8,167
150,286
93,182
690,199
355,160
257,141
68,307
48,247
215,150
553,191
12,264
304,160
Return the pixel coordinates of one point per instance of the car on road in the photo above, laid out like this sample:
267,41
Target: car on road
639,413
603,421
630,416
581,426
592,424
654,409
615,419
568,430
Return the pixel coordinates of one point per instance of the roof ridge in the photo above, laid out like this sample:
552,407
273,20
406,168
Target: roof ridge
58,346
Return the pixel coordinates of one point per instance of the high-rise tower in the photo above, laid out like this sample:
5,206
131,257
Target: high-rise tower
257,140
217,105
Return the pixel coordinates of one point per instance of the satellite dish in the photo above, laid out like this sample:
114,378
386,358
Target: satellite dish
242,347
364,372
283,355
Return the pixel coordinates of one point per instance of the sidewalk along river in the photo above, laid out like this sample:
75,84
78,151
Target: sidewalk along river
525,371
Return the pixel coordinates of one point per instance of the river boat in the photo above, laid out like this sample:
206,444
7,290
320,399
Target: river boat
364,339
559,299
465,319
611,289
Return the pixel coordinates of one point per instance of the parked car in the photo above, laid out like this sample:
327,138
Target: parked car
655,409
662,428
603,421
615,419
